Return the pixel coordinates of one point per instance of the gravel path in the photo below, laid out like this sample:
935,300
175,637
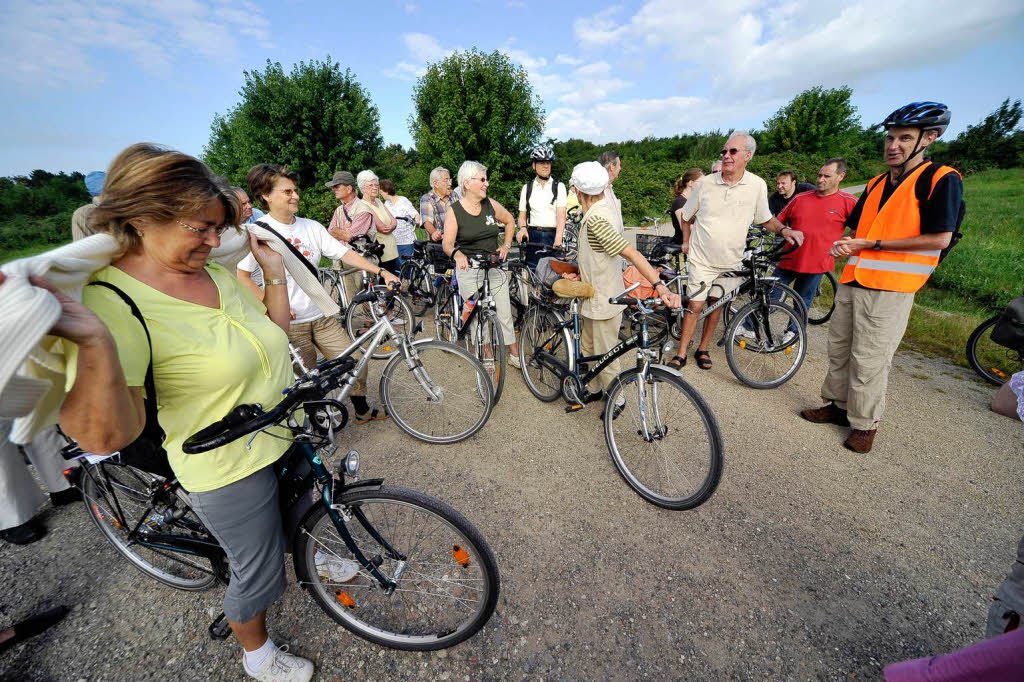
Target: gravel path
809,562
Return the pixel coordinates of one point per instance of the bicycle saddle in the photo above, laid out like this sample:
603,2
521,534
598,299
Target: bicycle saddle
566,288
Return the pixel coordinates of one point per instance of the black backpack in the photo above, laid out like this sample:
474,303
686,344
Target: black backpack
923,191
1009,328
529,191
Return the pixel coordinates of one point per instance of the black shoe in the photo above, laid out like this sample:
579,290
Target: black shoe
25,534
64,497
34,625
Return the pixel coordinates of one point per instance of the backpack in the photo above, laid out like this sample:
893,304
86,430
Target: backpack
1008,330
529,191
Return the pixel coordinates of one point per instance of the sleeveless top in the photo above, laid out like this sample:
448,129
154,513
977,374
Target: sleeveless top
477,235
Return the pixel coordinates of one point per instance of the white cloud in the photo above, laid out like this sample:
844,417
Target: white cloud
51,43
411,8
567,60
421,49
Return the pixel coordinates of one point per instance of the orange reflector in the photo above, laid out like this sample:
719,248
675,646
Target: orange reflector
67,472
344,599
789,349
461,556
743,343
999,373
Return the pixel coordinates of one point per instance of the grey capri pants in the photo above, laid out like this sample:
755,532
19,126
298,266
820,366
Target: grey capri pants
245,519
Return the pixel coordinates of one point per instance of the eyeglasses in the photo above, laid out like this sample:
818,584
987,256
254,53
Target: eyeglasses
203,231
732,151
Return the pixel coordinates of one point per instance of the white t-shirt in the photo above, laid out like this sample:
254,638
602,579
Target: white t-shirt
311,239
542,210
724,215
401,207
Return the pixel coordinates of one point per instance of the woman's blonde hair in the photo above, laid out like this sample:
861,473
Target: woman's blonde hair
159,184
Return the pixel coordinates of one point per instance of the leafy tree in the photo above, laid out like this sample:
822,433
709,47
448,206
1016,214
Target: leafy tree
316,119
996,141
817,121
479,106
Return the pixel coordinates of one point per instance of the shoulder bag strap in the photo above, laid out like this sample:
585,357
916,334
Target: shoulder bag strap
291,247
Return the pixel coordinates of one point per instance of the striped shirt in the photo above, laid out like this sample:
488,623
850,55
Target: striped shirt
603,237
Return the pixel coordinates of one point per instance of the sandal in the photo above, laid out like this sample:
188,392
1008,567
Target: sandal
677,362
703,359
373,415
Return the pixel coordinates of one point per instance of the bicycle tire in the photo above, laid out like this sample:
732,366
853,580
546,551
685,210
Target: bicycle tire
445,320
778,318
444,598
824,302
415,286
363,315
489,330
465,401
788,297
685,435
992,362
111,506
336,290
538,324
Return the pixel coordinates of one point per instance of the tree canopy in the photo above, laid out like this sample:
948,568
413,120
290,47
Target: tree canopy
817,121
316,119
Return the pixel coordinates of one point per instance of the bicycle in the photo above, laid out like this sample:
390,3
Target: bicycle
474,322
419,274
992,361
662,435
389,564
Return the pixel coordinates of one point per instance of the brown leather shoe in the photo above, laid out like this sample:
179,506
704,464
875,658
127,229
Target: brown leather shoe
829,414
860,441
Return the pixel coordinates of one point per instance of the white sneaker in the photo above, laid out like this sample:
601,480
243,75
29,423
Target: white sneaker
282,666
744,334
787,337
514,361
335,569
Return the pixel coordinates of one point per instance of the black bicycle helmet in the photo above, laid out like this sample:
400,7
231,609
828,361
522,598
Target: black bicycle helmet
923,115
542,152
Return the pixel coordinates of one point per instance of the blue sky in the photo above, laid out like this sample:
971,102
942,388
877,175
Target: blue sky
83,80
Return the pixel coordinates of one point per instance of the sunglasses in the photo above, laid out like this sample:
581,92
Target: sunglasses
731,152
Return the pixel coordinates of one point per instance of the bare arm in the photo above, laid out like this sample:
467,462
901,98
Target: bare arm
451,231
523,234
275,296
559,225
794,236
687,228
245,278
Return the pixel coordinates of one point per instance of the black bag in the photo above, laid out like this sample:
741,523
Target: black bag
1009,328
147,451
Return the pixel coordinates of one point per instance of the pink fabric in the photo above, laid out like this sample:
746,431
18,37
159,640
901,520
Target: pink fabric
1000,659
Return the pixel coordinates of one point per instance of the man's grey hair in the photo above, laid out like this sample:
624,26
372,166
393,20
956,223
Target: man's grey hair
468,169
716,166
608,158
236,190
749,142
435,175
364,177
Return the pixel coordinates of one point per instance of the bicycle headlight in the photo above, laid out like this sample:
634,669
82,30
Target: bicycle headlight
351,463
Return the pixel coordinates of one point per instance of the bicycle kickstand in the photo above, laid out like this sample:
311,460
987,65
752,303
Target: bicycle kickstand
219,628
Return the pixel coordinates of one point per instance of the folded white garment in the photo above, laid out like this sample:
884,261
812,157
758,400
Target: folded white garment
32,363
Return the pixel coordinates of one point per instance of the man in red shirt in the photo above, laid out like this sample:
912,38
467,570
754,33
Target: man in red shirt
820,215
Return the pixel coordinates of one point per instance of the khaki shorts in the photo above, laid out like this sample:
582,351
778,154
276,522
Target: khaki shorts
715,285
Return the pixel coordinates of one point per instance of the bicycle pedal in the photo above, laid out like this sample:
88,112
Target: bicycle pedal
575,407
220,629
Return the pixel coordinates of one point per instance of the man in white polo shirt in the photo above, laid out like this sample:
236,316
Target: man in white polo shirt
715,221
541,205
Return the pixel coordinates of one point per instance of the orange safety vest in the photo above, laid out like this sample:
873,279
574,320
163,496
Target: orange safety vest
900,218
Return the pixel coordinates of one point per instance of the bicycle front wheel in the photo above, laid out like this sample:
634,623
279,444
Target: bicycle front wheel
444,398
663,438
765,345
490,350
824,303
541,335
993,363
446,574
416,286
446,322
117,497
360,317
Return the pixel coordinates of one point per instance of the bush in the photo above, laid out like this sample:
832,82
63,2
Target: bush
24,231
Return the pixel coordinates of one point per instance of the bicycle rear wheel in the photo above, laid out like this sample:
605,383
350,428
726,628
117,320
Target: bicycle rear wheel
445,315
678,464
336,290
993,363
116,497
777,350
416,287
446,396
824,303
446,574
539,335
362,316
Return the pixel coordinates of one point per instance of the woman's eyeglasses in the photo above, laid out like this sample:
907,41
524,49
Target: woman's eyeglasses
203,231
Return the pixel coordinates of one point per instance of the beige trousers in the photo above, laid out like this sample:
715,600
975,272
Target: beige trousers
472,279
324,334
597,338
864,333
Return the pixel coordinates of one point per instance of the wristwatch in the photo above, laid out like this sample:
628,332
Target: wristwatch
878,245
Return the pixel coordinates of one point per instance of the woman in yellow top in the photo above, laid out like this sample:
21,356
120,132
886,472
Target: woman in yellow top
215,346
383,222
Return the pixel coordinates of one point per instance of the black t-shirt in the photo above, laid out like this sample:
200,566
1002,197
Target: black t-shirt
677,230
938,213
777,202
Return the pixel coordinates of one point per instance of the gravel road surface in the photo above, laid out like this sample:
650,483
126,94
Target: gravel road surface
810,562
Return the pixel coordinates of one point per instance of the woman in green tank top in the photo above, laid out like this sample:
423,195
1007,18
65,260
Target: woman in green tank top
470,227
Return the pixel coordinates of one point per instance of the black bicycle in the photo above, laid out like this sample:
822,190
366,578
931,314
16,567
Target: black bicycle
391,565
661,433
994,362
